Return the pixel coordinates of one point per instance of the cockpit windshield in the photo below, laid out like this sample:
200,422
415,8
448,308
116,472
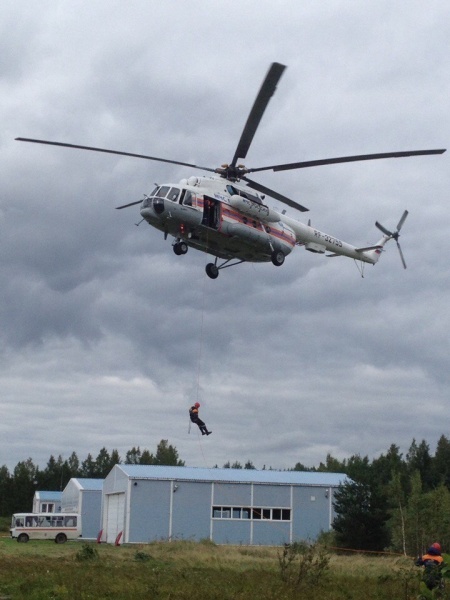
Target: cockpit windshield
171,193
157,197
162,192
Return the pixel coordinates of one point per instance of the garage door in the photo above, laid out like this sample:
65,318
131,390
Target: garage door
115,516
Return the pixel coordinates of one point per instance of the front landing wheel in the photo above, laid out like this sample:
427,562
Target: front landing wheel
277,258
212,271
180,248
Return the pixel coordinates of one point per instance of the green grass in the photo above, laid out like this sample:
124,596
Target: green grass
188,570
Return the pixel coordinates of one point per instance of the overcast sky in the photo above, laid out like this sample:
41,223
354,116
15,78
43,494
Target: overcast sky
107,337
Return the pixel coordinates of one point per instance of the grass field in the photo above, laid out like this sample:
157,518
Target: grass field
188,570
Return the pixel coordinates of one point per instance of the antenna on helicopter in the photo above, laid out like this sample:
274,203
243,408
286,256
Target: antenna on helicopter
395,235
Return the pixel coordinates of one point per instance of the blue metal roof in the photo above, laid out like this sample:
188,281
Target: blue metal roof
85,483
44,495
233,475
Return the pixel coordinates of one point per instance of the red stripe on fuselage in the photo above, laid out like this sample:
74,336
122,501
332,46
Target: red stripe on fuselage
234,215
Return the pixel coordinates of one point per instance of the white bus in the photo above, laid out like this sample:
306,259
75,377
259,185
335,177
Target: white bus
59,527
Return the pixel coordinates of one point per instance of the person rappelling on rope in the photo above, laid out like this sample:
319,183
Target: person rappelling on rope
193,414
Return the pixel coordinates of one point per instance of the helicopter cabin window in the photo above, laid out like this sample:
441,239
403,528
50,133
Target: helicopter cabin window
186,198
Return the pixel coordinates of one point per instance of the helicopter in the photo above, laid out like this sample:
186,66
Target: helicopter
226,215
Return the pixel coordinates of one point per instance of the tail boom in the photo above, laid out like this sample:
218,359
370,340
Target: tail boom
319,242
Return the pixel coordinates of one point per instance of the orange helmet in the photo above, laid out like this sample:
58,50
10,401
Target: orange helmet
437,546
196,405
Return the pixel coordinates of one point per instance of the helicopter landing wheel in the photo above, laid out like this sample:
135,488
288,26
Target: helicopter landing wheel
180,248
212,271
277,258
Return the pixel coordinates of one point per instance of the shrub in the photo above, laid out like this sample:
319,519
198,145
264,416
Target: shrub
303,565
142,556
87,552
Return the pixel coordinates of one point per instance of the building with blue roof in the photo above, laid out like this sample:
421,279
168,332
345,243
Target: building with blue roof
143,503
46,502
84,496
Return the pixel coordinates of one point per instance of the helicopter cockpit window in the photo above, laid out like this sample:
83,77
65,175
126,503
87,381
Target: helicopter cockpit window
162,192
147,202
173,194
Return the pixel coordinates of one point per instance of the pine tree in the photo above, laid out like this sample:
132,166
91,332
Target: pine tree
167,455
361,516
133,456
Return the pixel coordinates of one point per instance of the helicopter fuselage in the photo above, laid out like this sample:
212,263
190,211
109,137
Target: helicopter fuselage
220,218
228,221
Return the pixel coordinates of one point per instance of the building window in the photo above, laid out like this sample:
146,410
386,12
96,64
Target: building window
256,513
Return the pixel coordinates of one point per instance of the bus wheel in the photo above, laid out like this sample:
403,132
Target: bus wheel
23,538
61,538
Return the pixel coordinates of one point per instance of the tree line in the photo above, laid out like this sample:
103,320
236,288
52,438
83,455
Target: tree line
17,488
395,502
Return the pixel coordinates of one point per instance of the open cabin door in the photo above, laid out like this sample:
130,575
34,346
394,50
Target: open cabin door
211,212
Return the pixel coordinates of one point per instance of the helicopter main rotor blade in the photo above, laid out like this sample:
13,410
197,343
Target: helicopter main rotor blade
265,190
262,100
64,145
344,159
128,205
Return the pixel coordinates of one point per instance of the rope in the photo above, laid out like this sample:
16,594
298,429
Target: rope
200,356
368,551
200,351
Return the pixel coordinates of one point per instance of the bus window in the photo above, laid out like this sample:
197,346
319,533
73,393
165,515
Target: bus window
44,522
58,521
70,521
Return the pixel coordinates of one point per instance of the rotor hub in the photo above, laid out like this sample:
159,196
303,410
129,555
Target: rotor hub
233,173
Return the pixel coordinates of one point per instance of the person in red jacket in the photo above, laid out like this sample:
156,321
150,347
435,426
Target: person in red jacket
193,414
433,562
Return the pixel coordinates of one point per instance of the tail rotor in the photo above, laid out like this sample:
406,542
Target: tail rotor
395,235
